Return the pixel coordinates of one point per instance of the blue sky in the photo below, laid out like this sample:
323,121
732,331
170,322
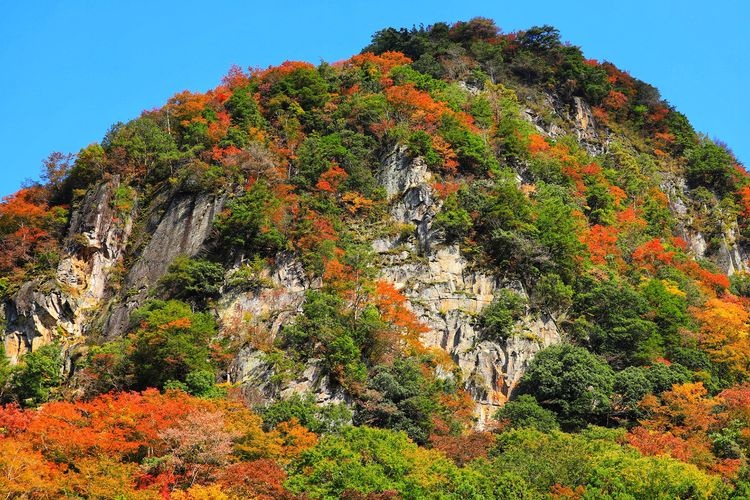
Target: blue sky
70,69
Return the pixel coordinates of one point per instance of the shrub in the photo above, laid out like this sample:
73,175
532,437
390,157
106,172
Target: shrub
194,280
37,374
526,412
499,318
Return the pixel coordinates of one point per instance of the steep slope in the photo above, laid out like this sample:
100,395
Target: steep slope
444,205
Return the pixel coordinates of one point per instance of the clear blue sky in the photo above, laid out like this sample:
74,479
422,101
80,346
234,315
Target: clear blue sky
69,69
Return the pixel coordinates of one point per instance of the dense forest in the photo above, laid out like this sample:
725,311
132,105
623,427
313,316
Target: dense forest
460,264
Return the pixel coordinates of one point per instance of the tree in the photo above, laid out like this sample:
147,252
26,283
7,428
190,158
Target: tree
198,444
725,334
196,280
37,374
526,412
247,227
500,317
572,382
170,342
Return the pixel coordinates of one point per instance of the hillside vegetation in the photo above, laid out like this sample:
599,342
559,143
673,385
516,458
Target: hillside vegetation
460,264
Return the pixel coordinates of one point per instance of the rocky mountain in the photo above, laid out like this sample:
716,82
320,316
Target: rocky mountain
399,234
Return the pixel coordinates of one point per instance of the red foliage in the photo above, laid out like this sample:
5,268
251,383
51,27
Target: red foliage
658,443
262,479
465,448
651,255
13,420
331,179
602,244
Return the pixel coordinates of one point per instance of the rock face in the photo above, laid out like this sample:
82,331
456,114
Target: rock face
256,317
447,295
726,253
442,289
62,307
182,230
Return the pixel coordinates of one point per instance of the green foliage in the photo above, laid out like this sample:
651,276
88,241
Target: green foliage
526,412
605,468
350,150
325,329
631,385
200,383
557,231
246,225
473,153
37,374
249,276
740,284
710,166
142,143
572,382
370,461
321,419
170,343
454,220
6,370
551,295
401,399
611,320
243,109
420,144
500,317
194,280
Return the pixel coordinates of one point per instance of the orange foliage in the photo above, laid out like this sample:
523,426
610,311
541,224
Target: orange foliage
616,100
684,411
315,230
601,242
295,438
384,62
725,333
420,109
275,73
744,194
445,189
662,443
629,219
331,179
443,148
235,77
355,202
651,255
537,144
261,479
393,308
560,492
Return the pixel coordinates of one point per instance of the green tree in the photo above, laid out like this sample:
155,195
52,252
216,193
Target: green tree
246,226
526,412
572,382
194,280
169,343
37,373
500,317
